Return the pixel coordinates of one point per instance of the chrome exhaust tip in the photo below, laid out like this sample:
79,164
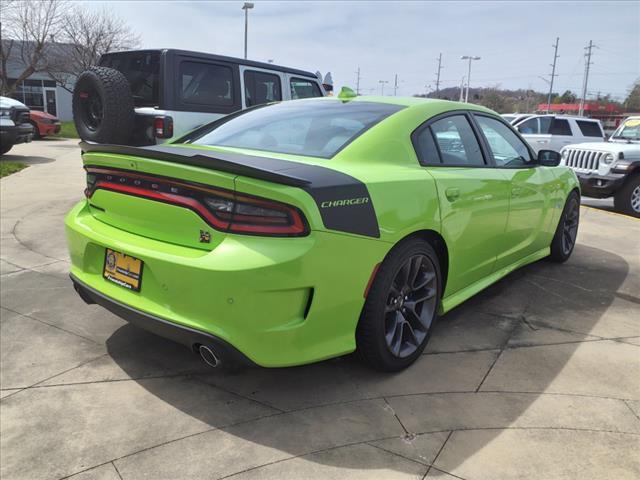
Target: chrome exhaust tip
208,356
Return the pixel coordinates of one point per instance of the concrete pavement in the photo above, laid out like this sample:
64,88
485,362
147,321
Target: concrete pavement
536,377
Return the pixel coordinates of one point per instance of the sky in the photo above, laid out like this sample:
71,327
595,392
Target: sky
514,39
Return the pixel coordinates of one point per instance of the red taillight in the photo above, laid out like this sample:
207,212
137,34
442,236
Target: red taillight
224,210
163,127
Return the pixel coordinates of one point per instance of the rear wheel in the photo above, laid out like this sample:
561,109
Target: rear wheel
627,199
564,239
5,148
401,307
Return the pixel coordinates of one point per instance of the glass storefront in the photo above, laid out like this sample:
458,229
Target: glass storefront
37,95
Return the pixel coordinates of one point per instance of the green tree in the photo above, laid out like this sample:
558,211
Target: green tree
632,101
566,97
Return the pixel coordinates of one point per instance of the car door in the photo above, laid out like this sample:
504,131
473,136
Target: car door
531,188
530,130
473,196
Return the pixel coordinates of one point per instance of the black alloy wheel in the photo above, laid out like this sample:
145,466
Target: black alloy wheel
411,306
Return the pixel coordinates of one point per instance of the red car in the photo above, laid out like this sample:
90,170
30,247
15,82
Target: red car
43,123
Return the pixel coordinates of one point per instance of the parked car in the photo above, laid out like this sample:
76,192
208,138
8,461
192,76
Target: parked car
44,124
610,169
552,132
514,118
304,230
146,97
14,124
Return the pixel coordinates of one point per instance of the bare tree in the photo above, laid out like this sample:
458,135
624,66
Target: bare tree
87,35
27,28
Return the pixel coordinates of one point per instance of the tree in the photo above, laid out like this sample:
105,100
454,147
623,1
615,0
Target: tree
87,35
632,102
567,97
57,37
27,29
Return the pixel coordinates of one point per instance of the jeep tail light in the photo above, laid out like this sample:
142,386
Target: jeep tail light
224,210
163,127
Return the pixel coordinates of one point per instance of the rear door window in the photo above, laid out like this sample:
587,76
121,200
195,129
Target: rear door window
590,129
261,87
206,84
560,126
456,141
529,127
301,88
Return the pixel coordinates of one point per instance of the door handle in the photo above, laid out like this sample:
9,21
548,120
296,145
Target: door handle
452,194
516,191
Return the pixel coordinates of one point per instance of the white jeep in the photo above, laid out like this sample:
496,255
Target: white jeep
145,97
610,169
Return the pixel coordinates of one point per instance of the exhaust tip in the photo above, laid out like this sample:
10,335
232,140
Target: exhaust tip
208,356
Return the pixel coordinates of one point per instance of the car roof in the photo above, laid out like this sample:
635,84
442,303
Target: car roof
412,103
574,117
212,56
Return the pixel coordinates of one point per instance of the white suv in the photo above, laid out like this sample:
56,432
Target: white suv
146,97
610,169
552,132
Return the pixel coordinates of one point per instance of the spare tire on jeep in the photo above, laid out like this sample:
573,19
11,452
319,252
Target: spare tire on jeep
103,109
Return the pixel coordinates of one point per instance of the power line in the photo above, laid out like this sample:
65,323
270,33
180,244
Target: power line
438,75
587,65
553,72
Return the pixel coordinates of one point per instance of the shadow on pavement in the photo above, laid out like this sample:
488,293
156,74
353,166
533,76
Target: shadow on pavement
316,404
28,159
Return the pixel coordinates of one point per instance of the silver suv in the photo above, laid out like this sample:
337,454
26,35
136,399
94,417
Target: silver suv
146,97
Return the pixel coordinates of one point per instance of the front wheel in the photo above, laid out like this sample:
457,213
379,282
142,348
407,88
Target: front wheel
401,307
564,240
627,199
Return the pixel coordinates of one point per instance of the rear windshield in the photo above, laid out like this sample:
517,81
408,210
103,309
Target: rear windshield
142,70
300,127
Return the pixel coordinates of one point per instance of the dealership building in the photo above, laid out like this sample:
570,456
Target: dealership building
39,91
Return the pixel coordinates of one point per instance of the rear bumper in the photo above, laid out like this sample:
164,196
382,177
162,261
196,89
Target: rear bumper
600,186
277,301
161,327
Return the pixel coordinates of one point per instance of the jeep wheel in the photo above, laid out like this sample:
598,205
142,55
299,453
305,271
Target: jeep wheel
103,106
5,148
401,307
627,199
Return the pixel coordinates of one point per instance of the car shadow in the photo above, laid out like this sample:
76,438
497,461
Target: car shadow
515,312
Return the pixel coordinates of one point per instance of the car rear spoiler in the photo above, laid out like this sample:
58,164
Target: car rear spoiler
247,165
343,201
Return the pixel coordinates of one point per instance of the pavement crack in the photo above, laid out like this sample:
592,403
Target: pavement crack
117,471
435,459
406,432
52,325
231,392
626,402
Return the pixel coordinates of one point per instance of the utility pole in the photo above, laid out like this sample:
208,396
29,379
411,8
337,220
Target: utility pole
395,86
461,87
553,73
586,76
358,81
438,75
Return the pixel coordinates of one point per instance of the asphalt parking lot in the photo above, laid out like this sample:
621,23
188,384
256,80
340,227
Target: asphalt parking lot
536,377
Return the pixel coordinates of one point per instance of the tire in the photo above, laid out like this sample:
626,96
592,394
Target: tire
103,109
36,132
381,342
627,199
5,148
564,239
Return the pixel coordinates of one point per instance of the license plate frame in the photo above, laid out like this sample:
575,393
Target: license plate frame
122,269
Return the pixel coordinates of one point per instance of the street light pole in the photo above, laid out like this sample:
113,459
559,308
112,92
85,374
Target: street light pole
470,58
246,7
382,82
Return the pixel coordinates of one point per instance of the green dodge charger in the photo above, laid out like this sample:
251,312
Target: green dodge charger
294,232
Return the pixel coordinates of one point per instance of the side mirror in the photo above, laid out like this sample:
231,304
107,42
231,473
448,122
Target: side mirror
549,158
